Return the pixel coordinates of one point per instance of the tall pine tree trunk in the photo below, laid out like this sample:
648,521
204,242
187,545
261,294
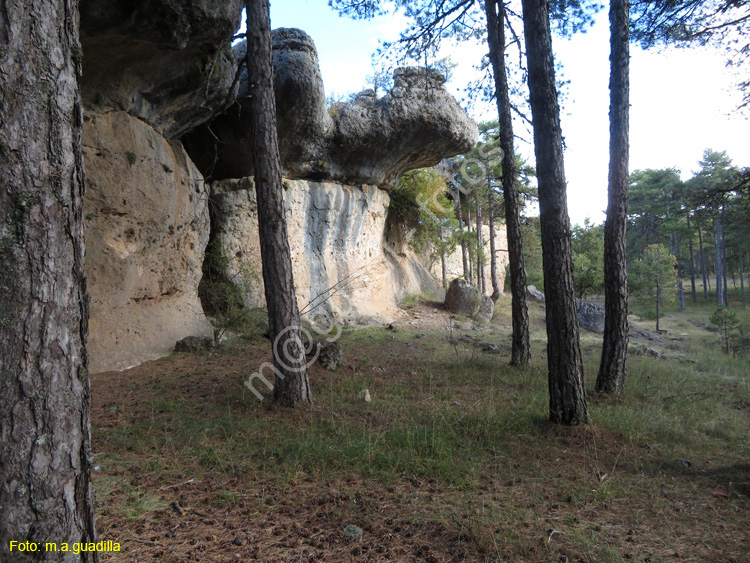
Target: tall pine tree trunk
443,268
521,348
292,386
719,262
481,283
724,259
464,250
493,249
692,263
658,301
468,231
612,368
703,263
742,277
567,393
45,439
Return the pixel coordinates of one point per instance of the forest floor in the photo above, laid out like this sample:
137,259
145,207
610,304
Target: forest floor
452,460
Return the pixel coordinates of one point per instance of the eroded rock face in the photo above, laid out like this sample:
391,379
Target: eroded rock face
302,118
368,141
342,271
146,209
415,125
168,63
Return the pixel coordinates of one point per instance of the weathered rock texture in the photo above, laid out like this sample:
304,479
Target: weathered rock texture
168,63
486,310
146,211
590,316
367,141
343,268
454,266
463,298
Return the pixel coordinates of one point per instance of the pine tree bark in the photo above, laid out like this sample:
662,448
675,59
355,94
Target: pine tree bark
692,263
719,262
742,277
724,260
612,368
292,386
703,263
443,267
493,249
567,393
481,283
464,250
45,439
521,347
468,230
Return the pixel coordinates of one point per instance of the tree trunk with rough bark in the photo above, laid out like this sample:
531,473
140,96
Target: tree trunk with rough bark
724,260
567,393
658,301
612,368
481,283
521,347
464,250
493,249
292,386
442,262
703,263
742,277
719,263
468,230
45,439
692,263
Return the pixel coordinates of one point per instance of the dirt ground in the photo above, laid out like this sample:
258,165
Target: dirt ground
161,505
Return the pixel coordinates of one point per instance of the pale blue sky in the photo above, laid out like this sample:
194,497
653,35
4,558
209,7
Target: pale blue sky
681,99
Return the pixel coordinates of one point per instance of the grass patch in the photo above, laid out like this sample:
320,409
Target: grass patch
452,460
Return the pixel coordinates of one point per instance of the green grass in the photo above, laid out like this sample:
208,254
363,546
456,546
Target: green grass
475,428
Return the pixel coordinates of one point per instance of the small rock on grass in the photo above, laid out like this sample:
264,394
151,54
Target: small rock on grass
194,344
364,395
352,531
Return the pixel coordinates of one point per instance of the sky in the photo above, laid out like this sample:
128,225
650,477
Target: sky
681,99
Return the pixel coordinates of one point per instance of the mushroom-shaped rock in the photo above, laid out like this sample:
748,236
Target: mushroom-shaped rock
415,125
367,141
167,63
225,149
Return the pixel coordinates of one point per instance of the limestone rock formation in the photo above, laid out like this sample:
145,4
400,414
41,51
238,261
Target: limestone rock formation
415,125
225,151
147,226
167,63
463,298
367,141
342,270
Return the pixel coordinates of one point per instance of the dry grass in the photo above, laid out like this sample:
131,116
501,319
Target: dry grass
453,460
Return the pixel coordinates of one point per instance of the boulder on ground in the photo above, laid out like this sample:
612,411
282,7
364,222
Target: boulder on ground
590,316
486,310
331,355
462,298
194,344
534,294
